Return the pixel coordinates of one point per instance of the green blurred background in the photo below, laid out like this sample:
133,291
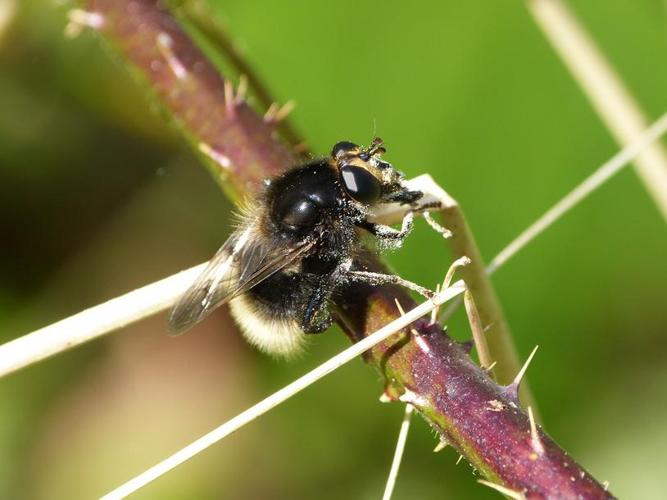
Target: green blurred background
98,196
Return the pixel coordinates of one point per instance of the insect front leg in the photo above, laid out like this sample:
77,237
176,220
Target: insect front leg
432,198
392,238
387,235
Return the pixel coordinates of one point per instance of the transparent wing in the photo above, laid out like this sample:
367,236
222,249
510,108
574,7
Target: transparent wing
241,263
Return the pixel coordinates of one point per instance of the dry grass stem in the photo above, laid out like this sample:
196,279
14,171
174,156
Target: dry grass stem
7,13
94,322
590,184
398,454
605,90
478,334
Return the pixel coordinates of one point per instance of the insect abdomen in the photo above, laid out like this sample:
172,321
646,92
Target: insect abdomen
269,314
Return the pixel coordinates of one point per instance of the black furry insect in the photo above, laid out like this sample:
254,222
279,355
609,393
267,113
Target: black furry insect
294,247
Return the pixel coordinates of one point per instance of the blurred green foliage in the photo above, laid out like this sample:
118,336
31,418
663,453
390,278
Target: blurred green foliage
98,196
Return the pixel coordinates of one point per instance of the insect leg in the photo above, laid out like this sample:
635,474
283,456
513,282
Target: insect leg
438,228
433,198
404,197
316,317
381,279
424,210
388,234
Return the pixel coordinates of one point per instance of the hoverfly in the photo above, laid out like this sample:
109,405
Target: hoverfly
294,247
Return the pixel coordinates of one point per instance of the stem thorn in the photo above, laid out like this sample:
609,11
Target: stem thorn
517,495
442,444
277,113
535,440
467,346
512,390
214,155
80,19
413,398
165,44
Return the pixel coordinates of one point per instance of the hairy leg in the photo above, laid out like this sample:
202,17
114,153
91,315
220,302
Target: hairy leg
381,279
316,317
389,236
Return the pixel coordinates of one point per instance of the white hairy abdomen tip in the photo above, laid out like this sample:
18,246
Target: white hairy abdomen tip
279,337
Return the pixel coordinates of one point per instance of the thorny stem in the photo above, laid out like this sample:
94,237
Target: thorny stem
236,144
203,19
474,414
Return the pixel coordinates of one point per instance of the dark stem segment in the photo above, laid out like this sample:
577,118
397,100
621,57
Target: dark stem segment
237,144
479,418
202,18
475,415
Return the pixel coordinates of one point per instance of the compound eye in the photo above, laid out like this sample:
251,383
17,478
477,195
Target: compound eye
301,215
343,147
360,184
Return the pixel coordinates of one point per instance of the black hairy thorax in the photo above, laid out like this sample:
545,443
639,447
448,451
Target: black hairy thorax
308,203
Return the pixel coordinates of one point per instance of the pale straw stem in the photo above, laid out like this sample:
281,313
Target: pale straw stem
605,90
398,454
590,184
94,322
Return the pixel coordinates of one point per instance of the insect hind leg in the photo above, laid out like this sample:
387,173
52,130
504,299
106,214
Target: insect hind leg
316,317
